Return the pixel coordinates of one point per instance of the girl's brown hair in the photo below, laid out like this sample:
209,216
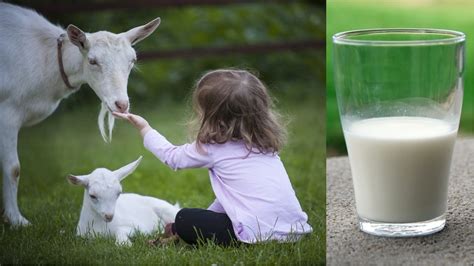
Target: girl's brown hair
234,105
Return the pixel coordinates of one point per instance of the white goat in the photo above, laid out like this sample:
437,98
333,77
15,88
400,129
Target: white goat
105,211
41,64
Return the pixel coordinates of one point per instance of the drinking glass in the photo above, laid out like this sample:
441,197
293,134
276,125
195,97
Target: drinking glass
399,94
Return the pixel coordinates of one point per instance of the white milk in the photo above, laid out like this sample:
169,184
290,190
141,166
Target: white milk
400,167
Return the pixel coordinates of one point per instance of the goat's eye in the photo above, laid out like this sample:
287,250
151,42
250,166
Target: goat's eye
93,61
133,61
94,197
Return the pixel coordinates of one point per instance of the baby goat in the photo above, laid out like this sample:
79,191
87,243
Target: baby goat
106,211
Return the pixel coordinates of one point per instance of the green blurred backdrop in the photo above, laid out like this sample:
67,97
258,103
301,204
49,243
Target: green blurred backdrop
69,141
346,15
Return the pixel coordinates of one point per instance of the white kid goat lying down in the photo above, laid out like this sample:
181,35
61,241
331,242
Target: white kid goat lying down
106,211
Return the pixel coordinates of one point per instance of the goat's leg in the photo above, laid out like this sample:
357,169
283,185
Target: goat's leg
11,175
121,237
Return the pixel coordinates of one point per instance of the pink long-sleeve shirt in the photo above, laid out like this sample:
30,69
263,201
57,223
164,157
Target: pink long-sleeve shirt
254,190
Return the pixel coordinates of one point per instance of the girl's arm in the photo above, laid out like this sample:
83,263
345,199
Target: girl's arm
176,157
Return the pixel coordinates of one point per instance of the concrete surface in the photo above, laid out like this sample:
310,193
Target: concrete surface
454,245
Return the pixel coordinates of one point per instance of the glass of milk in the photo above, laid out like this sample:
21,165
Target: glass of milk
399,93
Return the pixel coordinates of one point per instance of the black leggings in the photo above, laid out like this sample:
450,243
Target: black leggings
196,225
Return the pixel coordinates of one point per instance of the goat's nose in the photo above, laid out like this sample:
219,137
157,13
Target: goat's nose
122,106
109,217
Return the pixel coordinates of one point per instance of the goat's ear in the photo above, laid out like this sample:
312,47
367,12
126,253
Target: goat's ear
78,37
78,180
139,33
124,171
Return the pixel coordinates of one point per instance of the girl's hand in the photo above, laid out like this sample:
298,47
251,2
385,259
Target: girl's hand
137,121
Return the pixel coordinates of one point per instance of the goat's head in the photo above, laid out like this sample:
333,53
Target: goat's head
103,188
107,60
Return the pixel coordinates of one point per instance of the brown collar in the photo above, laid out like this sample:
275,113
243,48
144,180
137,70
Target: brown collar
60,61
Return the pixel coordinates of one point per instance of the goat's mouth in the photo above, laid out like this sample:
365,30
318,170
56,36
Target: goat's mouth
106,111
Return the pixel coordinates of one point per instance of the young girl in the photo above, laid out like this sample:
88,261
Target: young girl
238,140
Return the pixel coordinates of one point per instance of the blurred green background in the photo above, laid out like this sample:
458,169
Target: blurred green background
69,140
344,15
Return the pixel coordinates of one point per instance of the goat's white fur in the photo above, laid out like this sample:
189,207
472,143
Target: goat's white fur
131,212
31,86
100,121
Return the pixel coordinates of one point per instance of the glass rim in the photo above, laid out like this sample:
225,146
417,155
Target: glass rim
342,37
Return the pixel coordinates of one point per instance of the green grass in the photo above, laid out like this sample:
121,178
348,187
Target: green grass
69,142
346,15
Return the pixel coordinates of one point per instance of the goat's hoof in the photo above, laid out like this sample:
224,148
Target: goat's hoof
16,221
124,243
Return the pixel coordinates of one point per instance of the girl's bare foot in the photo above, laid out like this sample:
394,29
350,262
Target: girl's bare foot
168,237
169,240
154,242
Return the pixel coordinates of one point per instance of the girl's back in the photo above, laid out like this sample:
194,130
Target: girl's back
256,193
